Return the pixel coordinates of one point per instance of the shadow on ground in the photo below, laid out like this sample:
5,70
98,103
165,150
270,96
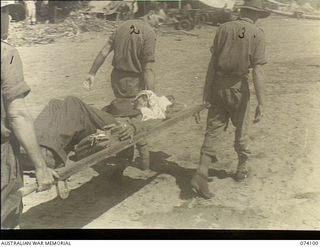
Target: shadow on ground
85,203
182,175
102,193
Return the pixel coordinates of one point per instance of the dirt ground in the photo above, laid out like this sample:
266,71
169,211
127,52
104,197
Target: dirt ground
283,190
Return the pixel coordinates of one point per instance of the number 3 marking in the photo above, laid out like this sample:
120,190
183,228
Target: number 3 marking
241,36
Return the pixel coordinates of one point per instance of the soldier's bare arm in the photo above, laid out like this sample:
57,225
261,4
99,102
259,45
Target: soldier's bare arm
21,124
257,74
208,83
99,60
149,76
101,57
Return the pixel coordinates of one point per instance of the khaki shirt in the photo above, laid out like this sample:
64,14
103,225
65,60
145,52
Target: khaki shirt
238,46
12,79
133,47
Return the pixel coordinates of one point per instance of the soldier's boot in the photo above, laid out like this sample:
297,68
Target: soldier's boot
200,184
199,181
242,170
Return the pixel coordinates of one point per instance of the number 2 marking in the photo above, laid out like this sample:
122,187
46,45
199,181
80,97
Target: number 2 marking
241,36
134,30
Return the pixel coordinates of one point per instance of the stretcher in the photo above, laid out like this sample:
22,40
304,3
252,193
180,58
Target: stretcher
94,159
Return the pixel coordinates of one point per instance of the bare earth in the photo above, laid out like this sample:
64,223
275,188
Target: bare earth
283,191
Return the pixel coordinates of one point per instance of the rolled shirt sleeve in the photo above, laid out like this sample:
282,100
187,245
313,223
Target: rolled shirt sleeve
217,42
258,57
12,79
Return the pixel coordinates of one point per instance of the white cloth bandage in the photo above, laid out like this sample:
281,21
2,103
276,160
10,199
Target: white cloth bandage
157,106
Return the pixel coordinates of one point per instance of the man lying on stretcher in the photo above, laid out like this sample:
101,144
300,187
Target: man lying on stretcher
62,124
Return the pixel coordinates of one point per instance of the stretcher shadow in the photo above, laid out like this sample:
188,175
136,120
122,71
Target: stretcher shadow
101,194
85,203
161,165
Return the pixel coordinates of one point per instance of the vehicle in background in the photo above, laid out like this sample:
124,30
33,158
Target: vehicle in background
189,19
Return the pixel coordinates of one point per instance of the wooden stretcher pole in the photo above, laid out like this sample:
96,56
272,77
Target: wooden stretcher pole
70,169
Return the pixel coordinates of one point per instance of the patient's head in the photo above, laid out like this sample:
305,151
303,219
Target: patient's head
141,101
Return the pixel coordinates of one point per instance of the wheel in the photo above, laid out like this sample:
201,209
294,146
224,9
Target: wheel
185,25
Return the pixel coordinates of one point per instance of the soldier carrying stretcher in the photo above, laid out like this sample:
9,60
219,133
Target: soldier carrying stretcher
16,129
133,44
238,47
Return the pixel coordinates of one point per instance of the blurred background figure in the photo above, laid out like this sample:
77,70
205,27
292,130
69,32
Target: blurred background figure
43,10
31,11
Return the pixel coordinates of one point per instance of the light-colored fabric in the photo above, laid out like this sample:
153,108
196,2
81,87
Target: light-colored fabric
156,108
31,10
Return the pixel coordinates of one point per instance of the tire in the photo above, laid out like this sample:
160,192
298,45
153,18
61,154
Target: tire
185,25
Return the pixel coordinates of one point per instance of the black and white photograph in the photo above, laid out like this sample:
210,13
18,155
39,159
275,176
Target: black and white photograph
167,114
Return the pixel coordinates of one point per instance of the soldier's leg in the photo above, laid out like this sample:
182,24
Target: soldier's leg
144,154
33,13
11,182
217,120
62,124
12,221
241,120
142,146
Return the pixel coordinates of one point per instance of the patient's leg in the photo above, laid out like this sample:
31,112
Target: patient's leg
62,124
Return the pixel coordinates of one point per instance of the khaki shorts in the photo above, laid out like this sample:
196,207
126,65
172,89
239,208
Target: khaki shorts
228,103
125,84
